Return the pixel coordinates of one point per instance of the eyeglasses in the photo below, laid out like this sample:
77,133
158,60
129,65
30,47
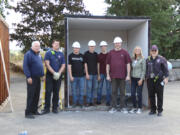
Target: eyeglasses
154,50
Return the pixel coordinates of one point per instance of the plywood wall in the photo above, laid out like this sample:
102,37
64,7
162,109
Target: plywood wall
4,38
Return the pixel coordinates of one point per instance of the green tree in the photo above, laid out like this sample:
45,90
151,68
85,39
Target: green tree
163,16
3,5
175,49
43,20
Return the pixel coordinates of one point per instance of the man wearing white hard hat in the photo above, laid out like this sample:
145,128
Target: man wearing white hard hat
102,74
90,60
76,73
118,70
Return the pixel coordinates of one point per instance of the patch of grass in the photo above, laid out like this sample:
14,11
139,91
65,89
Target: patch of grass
16,61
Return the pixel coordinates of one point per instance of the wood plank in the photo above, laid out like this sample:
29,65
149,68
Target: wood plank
4,37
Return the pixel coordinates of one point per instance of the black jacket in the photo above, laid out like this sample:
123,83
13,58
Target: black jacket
157,66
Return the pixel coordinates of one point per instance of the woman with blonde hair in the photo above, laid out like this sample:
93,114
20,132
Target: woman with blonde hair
138,71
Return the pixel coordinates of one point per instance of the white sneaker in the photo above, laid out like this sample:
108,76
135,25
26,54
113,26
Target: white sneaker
139,111
124,110
112,110
133,110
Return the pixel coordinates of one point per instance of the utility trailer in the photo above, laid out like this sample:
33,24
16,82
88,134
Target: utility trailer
134,31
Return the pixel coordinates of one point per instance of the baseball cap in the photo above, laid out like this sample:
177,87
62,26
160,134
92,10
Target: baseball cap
154,47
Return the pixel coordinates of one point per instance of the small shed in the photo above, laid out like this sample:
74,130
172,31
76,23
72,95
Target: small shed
4,63
134,31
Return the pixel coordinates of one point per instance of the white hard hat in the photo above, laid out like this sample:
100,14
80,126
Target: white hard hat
103,43
117,40
76,45
91,43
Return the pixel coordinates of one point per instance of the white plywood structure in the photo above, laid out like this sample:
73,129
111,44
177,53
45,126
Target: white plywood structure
135,31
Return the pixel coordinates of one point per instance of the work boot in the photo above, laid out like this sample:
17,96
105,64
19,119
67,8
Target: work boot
98,103
55,111
152,112
159,114
45,111
107,104
36,113
29,116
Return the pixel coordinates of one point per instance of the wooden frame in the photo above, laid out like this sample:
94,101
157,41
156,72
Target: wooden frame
4,64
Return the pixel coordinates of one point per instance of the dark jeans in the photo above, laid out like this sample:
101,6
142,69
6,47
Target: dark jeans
155,88
116,84
33,93
135,87
52,86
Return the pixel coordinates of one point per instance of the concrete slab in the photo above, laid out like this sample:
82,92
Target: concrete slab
91,122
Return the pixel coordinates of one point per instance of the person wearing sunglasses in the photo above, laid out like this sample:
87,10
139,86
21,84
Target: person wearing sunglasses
157,76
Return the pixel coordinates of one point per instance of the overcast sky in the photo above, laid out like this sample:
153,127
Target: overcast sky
95,7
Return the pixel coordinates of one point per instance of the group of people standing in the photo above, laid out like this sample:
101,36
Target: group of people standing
111,68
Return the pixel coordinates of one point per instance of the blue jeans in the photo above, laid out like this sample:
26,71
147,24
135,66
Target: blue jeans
78,90
100,88
134,87
91,86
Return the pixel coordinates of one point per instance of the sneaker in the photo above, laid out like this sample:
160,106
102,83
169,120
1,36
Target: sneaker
139,111
133,110
112,110
124,110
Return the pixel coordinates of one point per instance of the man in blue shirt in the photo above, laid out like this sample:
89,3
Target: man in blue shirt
33,70
55,64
